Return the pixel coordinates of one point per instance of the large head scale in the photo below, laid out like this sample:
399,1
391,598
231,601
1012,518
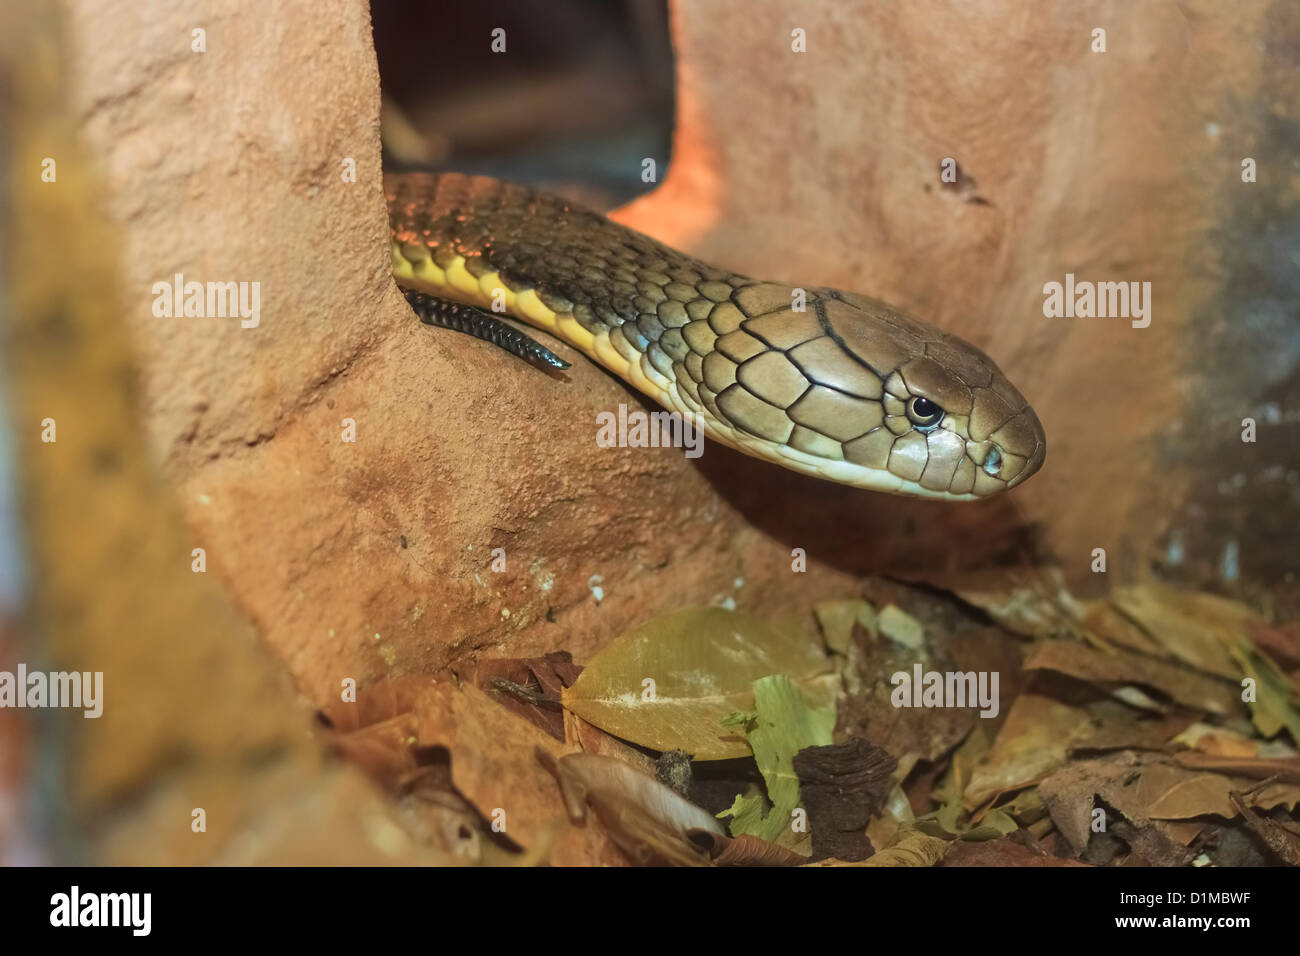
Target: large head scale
870,397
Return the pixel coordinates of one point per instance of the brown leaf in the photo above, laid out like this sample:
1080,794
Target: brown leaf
1185,831
376,702
913,848
1032,743
1105,625
1279,641
384,750
494,766
749,850
1219,741
1118,727
1118,668
1286,769
649,821
958,639
1281,841
1151,845
1007,851
1172,793
1070,794
530,686
1035,603
1196,628
1145,790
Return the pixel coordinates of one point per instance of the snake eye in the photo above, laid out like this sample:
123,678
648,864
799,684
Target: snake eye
923,413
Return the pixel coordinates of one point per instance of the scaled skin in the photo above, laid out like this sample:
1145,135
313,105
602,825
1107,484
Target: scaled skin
817,380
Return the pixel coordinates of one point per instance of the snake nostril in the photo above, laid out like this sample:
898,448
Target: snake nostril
993,461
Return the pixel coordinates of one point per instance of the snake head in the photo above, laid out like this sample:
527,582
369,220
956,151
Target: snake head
857,392
956,426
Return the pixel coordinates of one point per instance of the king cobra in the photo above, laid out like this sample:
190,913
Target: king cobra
828,383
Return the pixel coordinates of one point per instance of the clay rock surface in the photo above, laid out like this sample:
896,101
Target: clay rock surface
373,557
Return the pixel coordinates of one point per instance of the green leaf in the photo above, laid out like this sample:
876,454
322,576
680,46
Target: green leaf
783,725
1272,709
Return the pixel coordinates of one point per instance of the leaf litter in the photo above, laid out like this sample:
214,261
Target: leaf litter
1154,727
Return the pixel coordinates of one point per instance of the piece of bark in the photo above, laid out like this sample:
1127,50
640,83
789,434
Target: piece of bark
842,786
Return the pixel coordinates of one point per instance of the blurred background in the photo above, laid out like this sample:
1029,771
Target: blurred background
584,91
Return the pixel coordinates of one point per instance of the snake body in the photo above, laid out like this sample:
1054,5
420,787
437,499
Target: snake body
820,381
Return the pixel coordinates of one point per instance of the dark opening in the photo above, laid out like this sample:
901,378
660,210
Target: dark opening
580,98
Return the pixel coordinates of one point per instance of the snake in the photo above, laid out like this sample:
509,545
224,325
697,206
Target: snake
828,383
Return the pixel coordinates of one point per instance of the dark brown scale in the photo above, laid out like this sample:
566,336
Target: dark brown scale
585,264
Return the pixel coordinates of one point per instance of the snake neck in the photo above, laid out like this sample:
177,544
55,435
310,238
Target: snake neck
817,380
618,296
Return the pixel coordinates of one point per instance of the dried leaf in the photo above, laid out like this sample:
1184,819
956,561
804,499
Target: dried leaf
530,686
1272,794
703,663
900,627
895,815
384,750
1284,768
1116,668
837,619
1005,851
1070,794
1280,840
749,850
1171,793
1033,742
1218,741
1105,625
913,848
995,823
1198,629
1146,790
650,822
1151,844
1280,641
494,767
1035,606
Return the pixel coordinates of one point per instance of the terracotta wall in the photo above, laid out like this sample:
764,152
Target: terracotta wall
1118,166
371,558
